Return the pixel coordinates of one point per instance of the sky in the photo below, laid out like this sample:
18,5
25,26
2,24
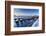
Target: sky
25,12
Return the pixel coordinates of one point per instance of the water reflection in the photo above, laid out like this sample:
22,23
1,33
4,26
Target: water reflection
25,21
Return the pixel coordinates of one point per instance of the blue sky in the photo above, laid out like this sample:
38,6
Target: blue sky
22,11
